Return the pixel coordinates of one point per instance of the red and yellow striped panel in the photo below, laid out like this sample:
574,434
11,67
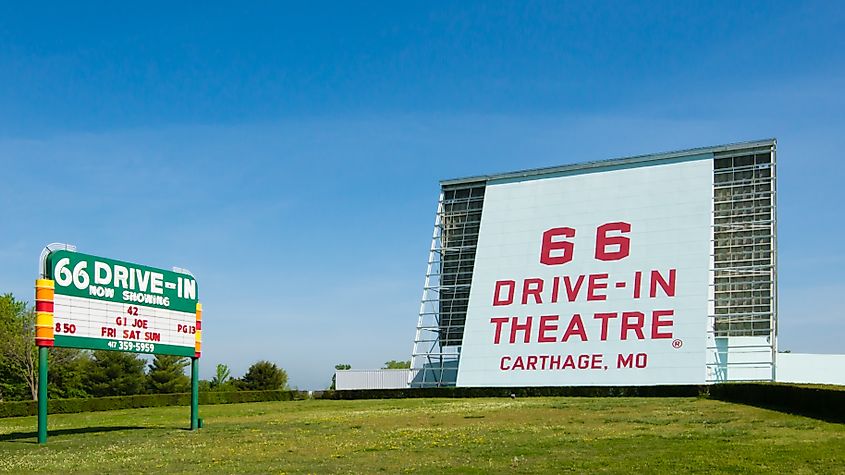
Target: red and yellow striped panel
198,334
44,312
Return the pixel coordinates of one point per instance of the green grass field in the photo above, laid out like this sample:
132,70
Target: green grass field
531,435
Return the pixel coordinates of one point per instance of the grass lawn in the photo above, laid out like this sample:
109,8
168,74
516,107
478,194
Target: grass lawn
530,435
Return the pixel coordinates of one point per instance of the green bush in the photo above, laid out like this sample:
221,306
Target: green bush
67,406
570,391
236,397
17,408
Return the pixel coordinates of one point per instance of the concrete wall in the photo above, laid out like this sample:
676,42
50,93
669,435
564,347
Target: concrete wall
810,369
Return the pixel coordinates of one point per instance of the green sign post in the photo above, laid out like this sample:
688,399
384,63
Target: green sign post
91,302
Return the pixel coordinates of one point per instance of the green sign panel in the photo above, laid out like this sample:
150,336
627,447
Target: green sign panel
107,304
102,304
81,275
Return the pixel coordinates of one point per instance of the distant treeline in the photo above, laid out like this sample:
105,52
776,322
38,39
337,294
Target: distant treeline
81,373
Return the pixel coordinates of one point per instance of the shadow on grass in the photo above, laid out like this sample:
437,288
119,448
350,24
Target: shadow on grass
822,413
818,403
18,436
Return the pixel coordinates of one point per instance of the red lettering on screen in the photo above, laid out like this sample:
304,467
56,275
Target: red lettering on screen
555,250
585,361
504,361
525,328
498,321
605,319
497,299
546,326
603,242
594,284
638,283
658,280
630,326
573,362
612,243
636,325
657,323
572,291
550,244
555,288
575,327
532,287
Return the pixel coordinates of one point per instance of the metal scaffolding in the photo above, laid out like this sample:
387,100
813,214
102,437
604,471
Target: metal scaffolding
743,316
440,327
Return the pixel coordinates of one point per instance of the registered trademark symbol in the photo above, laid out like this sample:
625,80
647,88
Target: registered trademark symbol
677,343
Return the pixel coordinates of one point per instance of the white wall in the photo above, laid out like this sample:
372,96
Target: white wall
372,379
738,358
810,369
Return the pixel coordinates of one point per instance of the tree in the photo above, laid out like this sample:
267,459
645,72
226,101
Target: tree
66,377
263,375
167,375
393,364
19,357
18,354
114,373
12,386
221,378
338,367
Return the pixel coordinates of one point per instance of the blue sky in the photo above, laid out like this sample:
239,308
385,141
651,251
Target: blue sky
289,155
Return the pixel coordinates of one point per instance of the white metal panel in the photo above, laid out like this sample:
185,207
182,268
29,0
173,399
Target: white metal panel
372,379
810,369
739,358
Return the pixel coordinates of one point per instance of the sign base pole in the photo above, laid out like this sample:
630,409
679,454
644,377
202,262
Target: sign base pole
42,395
195,377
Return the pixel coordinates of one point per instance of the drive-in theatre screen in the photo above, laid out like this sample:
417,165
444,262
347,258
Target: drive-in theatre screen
646,270
596,278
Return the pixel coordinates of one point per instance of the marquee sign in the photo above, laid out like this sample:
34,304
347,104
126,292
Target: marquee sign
596,278
104,304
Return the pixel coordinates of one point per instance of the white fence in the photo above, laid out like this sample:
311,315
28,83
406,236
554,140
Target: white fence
373,378
810,369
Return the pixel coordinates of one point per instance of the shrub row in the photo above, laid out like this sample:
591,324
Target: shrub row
812,401
571,391
17,408
66,406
